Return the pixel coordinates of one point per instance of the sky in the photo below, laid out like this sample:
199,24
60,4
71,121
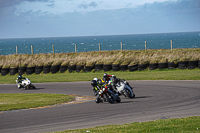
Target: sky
64,18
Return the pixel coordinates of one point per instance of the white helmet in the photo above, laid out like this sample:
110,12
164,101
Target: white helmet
95,79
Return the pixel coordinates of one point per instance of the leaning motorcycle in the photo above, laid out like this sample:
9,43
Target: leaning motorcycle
106,95
26,84
123,88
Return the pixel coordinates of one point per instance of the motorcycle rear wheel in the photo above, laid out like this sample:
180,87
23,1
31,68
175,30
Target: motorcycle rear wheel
32,86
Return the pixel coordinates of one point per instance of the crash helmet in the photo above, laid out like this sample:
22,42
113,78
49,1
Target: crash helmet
20,76
100,82
114,79
96,79
105,75
94,83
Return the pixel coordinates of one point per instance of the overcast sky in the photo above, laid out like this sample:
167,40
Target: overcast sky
62,18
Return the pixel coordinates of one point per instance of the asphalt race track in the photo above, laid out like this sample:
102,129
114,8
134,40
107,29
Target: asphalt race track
154,100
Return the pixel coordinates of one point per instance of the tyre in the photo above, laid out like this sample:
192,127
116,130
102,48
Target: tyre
162,65
118,99
133,68
142,66
38,69
32,86
123,67
128,93
108,98
46,69
88,68
182,64
71,68
98,67
55,68
21,70
153,66
63,69
26,88
30,70
192,64
172,65
107,67
115,67
13,71
97,100
4,71
79,68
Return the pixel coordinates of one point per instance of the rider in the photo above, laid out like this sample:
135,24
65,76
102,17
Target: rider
19,81
116,81
106,77
96,85
107,80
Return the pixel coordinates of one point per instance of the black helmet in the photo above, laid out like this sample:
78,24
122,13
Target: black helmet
94,83
105,75
20,76
114,79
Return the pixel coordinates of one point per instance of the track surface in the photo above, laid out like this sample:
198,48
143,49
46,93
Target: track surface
154,100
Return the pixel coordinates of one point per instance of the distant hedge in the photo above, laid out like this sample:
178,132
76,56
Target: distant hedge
131,60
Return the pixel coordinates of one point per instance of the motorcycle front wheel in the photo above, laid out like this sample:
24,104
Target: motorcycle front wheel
108,98
129,93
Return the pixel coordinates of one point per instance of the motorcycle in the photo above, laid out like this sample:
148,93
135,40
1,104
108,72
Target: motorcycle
26,84
123,88
106,95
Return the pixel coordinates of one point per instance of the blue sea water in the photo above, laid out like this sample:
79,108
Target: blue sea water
91,43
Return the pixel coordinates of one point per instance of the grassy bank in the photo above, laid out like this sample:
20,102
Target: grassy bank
25,101
128,57
164,74
182,125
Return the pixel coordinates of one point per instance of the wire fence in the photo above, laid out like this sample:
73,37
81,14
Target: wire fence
104,46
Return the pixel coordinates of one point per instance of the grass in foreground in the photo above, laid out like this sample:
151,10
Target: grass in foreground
164,74
176,125
15,101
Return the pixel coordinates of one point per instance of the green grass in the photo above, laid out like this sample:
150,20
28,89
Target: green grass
15,101
176,125
165,74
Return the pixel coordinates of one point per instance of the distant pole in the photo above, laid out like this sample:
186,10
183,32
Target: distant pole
171,46
75,48
32,49
53,48
16,50
121,46
145,45
99,47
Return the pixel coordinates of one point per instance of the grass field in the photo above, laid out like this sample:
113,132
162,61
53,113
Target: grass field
164,74
176,125
186,125
15,101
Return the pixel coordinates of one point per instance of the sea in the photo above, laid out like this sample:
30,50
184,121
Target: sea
106,42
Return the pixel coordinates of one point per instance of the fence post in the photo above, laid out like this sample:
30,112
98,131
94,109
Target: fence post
171,46
16,50
121,46
75,48
53,48
145,46
32,49
99,47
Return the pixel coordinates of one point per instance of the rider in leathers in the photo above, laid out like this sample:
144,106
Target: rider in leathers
116,81
19,81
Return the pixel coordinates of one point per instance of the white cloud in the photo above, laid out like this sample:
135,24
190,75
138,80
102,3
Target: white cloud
69,6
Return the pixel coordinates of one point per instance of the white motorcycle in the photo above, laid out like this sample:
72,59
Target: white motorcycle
125,89
26,84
